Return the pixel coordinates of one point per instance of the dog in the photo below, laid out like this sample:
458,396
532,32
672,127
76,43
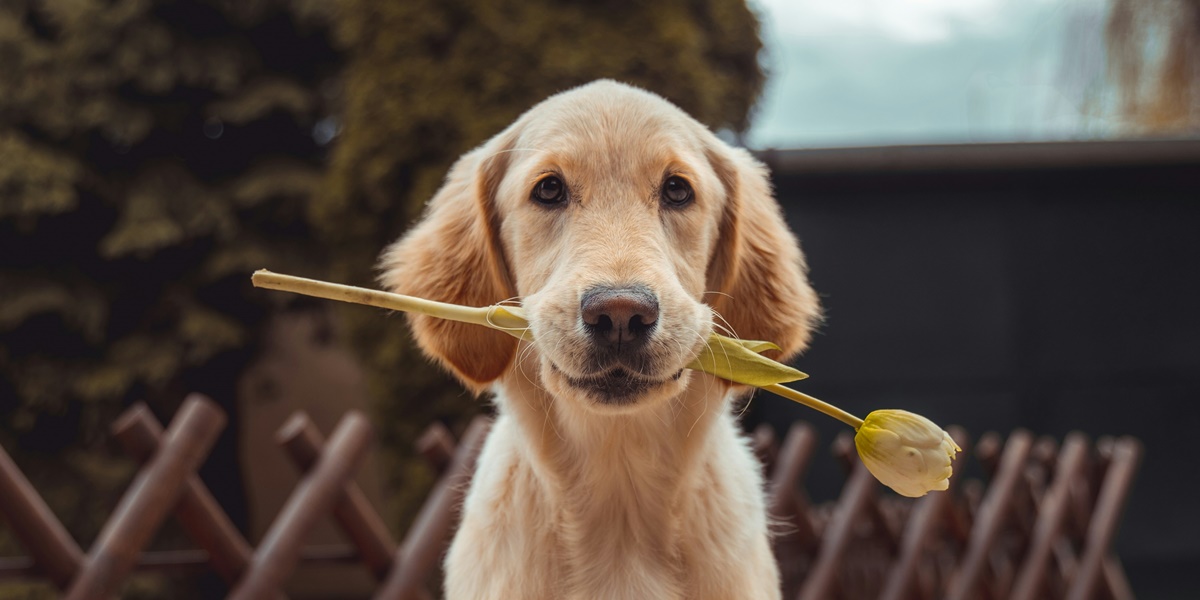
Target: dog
627,231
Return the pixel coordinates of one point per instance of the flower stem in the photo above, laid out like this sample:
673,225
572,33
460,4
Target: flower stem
346,293
815,404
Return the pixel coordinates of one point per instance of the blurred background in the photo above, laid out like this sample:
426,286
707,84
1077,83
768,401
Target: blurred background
998,199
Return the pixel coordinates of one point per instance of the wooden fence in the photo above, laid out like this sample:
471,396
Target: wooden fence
1042,527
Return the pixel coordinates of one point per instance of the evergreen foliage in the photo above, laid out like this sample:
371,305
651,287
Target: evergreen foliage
153,153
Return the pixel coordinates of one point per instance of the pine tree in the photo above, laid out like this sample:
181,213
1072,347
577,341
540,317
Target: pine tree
153,153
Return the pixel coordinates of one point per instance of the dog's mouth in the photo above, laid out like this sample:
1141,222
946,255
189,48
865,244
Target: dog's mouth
616,386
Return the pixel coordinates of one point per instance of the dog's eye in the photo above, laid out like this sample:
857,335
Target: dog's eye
676,191
550,190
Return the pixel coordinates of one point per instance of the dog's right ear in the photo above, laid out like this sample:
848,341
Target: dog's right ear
454,255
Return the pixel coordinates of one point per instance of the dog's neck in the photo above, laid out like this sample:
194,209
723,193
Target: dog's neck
620,477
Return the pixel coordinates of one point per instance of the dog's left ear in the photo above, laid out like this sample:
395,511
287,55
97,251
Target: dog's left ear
758,268
454,255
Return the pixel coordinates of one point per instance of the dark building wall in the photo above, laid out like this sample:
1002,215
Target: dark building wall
1046,286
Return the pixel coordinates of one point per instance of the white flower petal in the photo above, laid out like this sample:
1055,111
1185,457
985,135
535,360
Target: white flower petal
906,452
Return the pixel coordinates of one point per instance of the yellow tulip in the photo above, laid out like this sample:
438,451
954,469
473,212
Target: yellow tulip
906,452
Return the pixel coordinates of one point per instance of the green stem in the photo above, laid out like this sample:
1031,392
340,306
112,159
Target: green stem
813,403
497,317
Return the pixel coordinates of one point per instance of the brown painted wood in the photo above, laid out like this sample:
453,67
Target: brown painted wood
54,551
314,497
1051,518
431,531
353,512
991,516
140,435
149,500
853,503
784,500
920,531
1126,454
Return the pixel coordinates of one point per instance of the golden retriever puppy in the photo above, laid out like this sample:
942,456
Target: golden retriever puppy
628,231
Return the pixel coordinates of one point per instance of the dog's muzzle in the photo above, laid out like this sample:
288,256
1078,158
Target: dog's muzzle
619,321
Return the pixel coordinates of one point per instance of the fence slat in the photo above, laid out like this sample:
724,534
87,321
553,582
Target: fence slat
992,514
149,499
54,551
140,435
1052,515
366,530
853,502
430,532
313,498
920,529
786,502
436,444
1115,580
762,443
1113,491
791,461
185,562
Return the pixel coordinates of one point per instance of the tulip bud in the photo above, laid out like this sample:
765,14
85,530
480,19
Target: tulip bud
906,451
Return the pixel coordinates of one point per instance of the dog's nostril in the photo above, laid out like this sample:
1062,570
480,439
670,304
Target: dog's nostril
603,323
617,316
638,324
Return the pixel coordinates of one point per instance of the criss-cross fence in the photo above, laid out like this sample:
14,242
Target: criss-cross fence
1042,527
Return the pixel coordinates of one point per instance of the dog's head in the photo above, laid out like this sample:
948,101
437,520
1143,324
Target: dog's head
626,229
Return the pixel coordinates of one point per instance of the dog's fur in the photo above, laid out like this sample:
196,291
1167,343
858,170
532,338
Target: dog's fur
576,497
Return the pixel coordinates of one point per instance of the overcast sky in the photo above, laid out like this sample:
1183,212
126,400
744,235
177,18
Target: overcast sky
864,72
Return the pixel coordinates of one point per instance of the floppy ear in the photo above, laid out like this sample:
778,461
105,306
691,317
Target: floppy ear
757,266
454,255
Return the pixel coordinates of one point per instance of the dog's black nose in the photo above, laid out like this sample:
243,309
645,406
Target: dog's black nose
619,318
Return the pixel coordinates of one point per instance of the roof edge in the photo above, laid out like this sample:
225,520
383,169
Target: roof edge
985,157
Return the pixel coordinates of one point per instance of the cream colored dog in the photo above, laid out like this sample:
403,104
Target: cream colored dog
626,229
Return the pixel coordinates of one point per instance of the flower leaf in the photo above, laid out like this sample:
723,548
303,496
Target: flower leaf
738,361
758,346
